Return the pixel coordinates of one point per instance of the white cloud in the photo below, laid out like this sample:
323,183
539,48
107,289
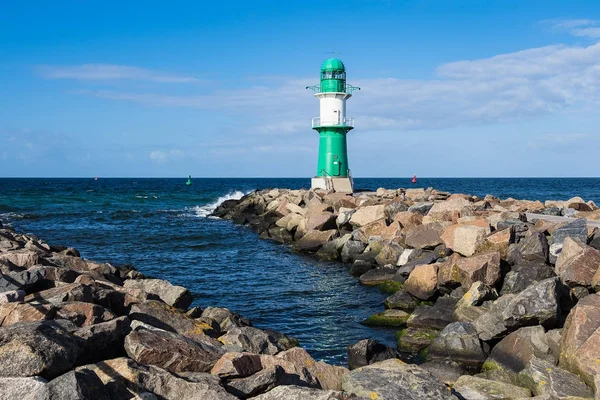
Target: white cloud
110,72
576,27
507,87
163,156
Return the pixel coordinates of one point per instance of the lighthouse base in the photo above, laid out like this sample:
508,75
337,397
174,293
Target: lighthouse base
340,185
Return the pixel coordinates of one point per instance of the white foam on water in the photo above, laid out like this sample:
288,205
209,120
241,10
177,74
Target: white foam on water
206,209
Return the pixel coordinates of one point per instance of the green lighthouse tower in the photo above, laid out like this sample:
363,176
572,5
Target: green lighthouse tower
333,171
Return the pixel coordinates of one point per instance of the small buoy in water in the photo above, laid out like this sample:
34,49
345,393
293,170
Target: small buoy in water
189,181
414,179
96,178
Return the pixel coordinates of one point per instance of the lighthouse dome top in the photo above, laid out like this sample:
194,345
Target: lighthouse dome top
333,64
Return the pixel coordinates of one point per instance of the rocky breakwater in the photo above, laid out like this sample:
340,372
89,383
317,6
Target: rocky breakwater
497,301
71,328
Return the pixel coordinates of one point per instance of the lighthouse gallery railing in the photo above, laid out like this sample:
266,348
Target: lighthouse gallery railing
317,123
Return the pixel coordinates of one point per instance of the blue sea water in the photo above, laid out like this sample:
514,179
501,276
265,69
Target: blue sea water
161,227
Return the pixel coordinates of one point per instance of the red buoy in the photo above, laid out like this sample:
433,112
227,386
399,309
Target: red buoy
414,179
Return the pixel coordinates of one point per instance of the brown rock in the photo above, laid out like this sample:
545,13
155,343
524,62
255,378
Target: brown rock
12,313
176,296
577,263
313,240
408,219
83,314
426,236
422,281
372,229
237,365
451,209
484,268
68,292
321,221
21,258
367,214
580,344
163,316
467,238
171,351
328,376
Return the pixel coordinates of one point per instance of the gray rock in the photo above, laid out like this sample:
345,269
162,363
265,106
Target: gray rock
176,296
413,340
351,249
171,351
524,275
360,267
293,392
123,378
458,342
394,380
401,300
261,382
257,341
474,388
544,378
514,352
490,325
77,385
37,348
102,341
237,365
576,230
437,316
389,254
421,208
534,248
536,305
367,352
426,236
225,318
68,292
378,276
446,371
160,315
420,257
31,388
12,296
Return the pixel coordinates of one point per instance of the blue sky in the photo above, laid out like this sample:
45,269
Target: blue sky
449,88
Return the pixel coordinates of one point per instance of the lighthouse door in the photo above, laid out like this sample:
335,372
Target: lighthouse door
335,171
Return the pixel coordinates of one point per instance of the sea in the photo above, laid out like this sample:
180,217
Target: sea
162,227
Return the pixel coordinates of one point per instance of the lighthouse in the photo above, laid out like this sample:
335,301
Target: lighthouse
333,170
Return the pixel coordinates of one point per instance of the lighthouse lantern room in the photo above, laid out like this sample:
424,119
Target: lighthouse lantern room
333,171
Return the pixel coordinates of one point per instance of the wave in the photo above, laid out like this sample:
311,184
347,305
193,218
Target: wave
207,209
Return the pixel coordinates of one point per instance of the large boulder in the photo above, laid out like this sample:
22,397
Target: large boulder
329,377
226,319
163,316
124,378
255,340
171,351
536,305
30,388
367,214
313,240
524,274
426,236
545,378
394,380
484,268
321,221
534,248
474,388
82,314
367,352
103,340
12,313
453,208
176,296
575,230
69,292
236,365
437,316
293,392
577,263
389,254
378,276
351,249
37,348
467,239
515,351
580,344
21,258
422,282
460,343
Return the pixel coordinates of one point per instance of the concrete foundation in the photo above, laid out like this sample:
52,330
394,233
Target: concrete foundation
340,185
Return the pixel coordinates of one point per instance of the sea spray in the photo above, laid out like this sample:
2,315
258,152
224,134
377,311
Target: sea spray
207,209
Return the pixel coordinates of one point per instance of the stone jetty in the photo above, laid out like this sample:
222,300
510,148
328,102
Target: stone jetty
499,298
